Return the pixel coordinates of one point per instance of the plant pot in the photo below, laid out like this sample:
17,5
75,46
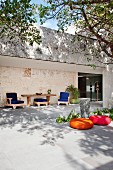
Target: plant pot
74,101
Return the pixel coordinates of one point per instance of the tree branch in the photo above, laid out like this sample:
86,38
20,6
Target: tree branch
92,30
86,2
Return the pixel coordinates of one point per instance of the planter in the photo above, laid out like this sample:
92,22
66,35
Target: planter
74,101
74,93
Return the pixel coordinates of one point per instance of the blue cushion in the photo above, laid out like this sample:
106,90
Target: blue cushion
64,95
17,102
14,98
40,100
12,95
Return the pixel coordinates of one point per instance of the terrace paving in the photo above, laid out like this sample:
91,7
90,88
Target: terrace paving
30,139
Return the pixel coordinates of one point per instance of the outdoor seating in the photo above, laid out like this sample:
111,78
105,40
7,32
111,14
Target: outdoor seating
81,123
39,98
39,101
13,101
64,98
100,120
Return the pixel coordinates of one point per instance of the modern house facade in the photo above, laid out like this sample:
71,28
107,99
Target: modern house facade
54,64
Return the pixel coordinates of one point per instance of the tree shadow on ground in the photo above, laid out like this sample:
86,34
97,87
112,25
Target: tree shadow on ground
95,148
98,139
107,166
77,163
41,119
91,142
44,119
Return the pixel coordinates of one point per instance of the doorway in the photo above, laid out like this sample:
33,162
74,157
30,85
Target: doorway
90,86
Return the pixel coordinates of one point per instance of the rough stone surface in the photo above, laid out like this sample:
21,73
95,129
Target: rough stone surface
55,46
24,81
58,47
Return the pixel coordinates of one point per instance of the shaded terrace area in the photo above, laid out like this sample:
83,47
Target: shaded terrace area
31,139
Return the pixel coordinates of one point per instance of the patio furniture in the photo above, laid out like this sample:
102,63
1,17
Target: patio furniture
13,101
81,123
35,95
100,120
64,98
39,101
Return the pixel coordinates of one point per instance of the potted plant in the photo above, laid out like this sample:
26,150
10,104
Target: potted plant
74,94
49,91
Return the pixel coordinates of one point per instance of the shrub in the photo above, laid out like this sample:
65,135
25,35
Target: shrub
61,119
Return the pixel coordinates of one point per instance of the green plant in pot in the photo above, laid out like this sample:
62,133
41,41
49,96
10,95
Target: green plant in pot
49,91
74,94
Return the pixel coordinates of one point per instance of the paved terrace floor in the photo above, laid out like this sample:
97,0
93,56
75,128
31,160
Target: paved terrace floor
30,139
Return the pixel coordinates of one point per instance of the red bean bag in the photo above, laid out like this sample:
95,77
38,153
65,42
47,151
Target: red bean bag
81,123
100,120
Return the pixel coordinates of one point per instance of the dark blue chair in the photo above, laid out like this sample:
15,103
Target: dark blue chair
39,101
64,98
13,101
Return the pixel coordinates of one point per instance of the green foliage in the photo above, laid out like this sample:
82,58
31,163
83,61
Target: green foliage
103,112
49,91
94,20
106,110
61,119
111,110
111,116
17,19
73,114
74,92
92,65
99,112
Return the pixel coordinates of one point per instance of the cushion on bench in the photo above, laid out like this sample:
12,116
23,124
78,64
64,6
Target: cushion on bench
40,100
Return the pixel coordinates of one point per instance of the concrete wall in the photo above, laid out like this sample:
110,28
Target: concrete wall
32,80
107,87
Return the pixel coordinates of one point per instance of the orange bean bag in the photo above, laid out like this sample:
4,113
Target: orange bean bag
100,120
81,123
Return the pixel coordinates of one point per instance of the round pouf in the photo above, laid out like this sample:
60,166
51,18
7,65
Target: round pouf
81,123
100,120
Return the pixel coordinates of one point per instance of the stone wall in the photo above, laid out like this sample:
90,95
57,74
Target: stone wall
30,81
55,46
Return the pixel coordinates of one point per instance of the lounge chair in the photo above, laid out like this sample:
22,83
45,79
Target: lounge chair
64,98
13,101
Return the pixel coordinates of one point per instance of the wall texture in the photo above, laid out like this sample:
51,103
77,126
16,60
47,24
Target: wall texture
55,46
107,87
30,81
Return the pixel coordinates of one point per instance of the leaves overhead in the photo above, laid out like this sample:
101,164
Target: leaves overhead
17,19
92,19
